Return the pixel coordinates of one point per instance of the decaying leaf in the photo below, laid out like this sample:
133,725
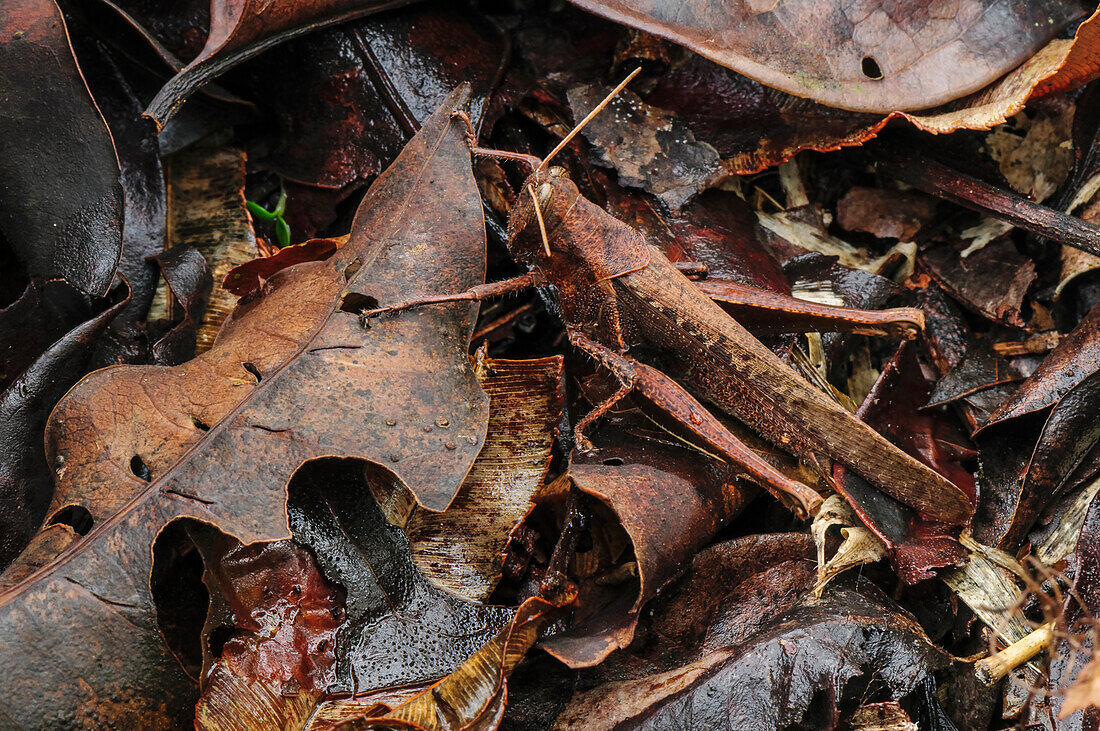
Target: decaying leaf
62,205
860,545
649,148
771,679
240,30
207,212
218,438
875,58
285,616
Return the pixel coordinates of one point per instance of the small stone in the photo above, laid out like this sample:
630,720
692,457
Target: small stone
450,445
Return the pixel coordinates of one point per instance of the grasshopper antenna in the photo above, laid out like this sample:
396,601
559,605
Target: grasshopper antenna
580,125
542,223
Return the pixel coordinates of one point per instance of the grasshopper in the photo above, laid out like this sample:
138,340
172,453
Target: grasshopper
613,290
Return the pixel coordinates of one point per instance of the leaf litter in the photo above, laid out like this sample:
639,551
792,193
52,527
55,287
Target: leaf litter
796,429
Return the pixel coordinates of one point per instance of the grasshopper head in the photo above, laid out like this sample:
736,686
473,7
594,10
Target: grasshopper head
554,193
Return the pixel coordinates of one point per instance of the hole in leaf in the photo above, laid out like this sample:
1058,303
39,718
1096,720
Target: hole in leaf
613,462
76,517
352,269
251,368
180,597
139,469
871,69
199,423
222,633
355,303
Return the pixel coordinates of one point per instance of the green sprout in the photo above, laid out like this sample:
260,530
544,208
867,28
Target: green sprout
282,229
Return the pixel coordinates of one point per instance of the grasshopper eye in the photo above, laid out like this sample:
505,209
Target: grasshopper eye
543,193
557,172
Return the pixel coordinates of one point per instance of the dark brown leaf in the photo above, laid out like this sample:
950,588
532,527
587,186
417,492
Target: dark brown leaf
62,205
1076,358
241,29
991,282
26,479
771,679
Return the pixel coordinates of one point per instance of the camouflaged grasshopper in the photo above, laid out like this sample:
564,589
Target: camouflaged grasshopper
613,290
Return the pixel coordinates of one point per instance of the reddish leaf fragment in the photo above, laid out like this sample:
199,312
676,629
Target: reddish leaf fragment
250,276
916,544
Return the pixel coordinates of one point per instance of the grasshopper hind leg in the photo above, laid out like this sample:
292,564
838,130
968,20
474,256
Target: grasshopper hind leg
671,398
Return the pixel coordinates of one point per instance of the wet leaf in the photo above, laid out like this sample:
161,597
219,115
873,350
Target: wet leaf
771,679
42,314
474,695
1076,358
241,29
877,60
62,207
119,88
176,442
400,631
462,549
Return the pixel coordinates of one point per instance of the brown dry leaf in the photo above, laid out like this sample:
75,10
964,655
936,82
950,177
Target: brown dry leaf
880,57
667,501
241,29
462,550
207,211
293,377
